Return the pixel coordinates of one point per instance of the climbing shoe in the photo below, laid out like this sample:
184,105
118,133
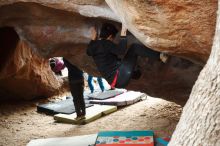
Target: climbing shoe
79,118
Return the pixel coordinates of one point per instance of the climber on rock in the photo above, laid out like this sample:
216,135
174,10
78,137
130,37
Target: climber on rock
105,52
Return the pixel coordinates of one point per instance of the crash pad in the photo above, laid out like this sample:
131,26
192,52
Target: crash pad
162,141
125,138
126,98
92,113
63,106
106,94
85,140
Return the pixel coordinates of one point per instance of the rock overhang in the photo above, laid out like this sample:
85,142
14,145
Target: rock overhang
62,28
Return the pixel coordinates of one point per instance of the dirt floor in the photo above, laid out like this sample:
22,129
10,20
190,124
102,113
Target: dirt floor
21,123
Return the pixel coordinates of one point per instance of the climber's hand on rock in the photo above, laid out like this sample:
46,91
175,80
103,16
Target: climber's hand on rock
123,31
163,57
93,33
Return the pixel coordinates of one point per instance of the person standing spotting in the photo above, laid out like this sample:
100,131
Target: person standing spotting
76,84
57,65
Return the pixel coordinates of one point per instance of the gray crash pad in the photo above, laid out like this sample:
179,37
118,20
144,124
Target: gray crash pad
63,106
126,98
85,140
106,94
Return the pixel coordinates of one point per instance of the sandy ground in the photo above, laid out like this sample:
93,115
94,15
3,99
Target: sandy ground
21,123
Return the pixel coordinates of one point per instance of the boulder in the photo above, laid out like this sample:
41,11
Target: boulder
63,28
178,27
172,80
24,75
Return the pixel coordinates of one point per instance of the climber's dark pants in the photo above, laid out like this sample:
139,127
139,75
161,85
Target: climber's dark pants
76,83
128,64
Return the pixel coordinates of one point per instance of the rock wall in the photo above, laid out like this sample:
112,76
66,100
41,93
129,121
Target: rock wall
47,29
88,8
49,32
178,27
25,74
63,28
201,114
172,80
